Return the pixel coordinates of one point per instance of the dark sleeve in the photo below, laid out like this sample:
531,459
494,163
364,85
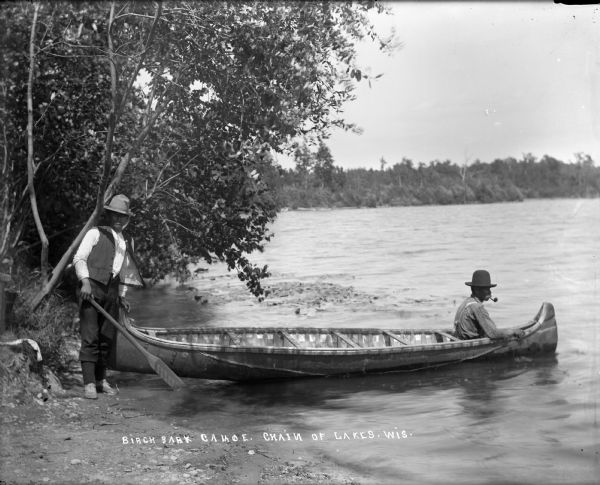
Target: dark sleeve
486,323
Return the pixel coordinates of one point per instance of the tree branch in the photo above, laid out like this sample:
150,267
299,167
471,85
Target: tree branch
112,116
174,176
30,164
140,62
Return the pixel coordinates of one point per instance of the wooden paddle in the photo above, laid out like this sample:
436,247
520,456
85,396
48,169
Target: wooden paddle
162,369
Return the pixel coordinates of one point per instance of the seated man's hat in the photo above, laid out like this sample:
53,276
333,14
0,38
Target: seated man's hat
481,278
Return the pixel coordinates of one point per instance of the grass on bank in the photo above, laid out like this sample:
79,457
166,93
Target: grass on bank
49,325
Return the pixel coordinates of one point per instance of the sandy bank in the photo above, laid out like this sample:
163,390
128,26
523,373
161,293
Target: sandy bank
60,438
73,440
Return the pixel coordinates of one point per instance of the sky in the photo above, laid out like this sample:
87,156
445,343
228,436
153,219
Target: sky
477,80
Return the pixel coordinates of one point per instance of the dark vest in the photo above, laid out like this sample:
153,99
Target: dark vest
100,260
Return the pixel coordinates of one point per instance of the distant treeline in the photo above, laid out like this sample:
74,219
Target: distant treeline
317,182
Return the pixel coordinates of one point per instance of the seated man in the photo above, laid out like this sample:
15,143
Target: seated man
472,319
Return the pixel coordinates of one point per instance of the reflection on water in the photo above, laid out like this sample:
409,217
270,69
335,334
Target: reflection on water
476,378
460,411
510,421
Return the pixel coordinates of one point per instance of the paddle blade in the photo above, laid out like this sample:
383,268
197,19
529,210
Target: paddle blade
165,372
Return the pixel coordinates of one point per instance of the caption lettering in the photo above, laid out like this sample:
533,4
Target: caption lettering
268,436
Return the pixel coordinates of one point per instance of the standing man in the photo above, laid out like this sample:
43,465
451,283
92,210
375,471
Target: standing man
99,265
472,319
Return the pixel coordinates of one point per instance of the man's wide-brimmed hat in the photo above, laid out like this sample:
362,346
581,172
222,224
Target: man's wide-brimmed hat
481,278
120,204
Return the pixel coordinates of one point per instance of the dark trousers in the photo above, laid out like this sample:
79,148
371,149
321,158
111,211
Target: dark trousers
97,333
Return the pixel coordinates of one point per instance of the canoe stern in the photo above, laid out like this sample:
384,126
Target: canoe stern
546,337
541,334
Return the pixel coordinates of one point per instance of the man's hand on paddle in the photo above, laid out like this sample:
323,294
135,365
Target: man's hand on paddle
86,290
511,334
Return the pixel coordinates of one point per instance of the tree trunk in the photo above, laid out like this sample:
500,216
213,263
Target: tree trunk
30,163
5,197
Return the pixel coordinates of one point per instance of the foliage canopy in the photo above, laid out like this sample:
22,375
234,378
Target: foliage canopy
179,105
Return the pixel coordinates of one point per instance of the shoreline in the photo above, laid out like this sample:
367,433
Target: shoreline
69,439
58,437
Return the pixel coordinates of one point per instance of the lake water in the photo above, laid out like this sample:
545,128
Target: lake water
516,421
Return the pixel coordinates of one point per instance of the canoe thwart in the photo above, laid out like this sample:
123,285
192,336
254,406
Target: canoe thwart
444,334
290,339
235,339
395,337
350,342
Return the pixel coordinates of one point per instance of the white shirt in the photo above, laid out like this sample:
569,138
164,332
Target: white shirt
85,248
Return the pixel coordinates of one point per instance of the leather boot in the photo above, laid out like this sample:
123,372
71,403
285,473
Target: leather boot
90,391
105,387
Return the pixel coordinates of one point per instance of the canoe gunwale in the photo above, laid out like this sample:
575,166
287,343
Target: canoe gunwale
141,334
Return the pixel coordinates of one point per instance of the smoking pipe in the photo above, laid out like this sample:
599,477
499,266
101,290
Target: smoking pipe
494,299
